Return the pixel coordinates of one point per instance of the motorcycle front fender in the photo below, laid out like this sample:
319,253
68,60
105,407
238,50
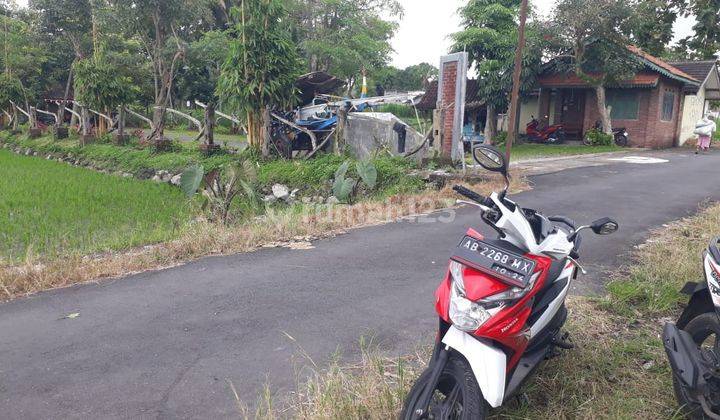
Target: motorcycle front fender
488,363
700,302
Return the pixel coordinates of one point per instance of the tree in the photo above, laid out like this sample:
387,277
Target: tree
705,43
197,79
411,78
99,85
10,92
22,59
61,22
490,37
650,25
163,28
344,37
261,66
588,37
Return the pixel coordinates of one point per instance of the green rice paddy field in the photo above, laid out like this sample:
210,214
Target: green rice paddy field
50,209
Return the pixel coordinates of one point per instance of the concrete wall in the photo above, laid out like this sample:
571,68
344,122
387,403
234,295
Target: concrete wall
451,98
529,107
692,112
367,132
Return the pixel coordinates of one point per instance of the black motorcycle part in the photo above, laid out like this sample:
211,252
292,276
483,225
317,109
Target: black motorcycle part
437,368
700,303
549,293
684,356
527,364
545,338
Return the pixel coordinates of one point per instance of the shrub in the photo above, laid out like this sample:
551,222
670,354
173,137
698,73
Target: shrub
222,188
500,139
598,138
399,110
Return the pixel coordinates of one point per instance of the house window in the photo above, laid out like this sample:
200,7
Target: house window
668,106
624,103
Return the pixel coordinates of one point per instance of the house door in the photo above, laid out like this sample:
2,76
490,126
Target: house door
572,111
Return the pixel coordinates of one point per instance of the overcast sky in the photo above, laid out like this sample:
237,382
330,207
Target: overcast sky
424,30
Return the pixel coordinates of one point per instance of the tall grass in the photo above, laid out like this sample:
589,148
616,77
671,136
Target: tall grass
670,258
48,209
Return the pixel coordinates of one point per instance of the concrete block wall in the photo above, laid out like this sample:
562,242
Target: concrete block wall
365,133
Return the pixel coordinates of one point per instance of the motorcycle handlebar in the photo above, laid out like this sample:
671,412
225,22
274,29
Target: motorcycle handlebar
472,195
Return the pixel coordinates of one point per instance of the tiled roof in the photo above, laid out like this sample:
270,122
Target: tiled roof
661,66
472,98
560,80
697,69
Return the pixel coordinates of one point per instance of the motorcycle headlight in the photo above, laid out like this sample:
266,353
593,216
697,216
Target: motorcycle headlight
467,315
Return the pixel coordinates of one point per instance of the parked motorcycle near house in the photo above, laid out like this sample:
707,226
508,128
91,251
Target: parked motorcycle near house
501,304
552,134
693,343
621,137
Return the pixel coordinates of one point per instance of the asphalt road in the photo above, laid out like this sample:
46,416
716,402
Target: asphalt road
165,344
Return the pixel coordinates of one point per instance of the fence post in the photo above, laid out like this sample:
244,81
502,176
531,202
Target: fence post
340,131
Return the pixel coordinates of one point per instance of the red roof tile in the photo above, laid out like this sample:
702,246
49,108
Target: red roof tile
658,62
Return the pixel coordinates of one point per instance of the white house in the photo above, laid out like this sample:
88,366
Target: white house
696,103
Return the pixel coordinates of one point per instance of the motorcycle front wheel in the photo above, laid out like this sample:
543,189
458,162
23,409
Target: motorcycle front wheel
621,140
457,395
705,331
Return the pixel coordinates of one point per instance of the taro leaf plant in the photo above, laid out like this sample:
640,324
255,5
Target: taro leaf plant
344,188
220,188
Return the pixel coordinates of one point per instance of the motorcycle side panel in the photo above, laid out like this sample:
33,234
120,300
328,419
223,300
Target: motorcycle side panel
712,274
487,363
554,306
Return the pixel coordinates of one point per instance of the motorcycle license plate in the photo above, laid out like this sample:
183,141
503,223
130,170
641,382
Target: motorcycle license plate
506,266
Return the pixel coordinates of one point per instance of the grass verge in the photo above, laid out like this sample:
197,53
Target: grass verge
139,161
52,209
669,259
534,151
618,369
277,227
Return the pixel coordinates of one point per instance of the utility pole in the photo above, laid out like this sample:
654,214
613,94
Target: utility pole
515,96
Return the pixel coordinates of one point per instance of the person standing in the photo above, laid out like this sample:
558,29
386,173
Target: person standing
704,130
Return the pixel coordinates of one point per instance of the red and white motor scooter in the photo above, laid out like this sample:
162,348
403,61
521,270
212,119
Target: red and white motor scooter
501,305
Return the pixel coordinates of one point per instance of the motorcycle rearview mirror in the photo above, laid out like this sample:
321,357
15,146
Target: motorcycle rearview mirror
604,226
491,159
